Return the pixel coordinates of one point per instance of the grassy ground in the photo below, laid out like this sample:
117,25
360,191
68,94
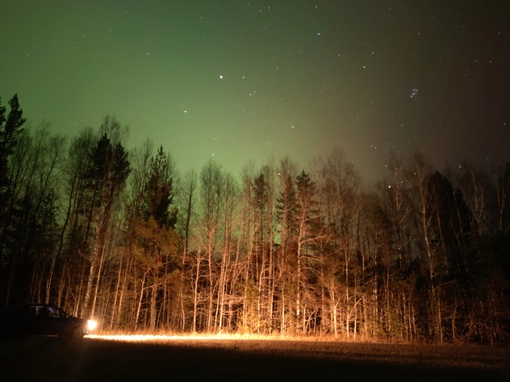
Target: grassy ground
91,359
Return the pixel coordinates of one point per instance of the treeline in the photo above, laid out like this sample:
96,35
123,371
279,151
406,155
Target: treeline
125,238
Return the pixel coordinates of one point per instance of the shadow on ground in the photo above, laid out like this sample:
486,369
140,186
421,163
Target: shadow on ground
51,359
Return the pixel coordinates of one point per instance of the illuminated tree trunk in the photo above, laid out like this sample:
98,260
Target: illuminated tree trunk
286,214
196,289
141,294
249,224
107,176
338,184
153,307
121,289
260,248
225,266
264,206
421,173
212,192
188,205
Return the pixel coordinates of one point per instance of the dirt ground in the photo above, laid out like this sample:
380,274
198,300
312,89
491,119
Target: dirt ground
51,359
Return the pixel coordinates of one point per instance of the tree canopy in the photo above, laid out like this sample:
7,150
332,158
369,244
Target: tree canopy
120,235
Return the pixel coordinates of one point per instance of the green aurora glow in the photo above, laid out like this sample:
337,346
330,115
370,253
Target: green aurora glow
251,80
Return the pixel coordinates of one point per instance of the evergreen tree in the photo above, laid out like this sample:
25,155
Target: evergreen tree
156,239
105,178
160,193
10,128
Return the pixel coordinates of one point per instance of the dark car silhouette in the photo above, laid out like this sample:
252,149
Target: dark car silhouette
43,320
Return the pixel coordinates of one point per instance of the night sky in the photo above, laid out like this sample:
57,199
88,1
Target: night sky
244,81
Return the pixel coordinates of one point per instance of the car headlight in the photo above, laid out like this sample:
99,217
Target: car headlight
91,325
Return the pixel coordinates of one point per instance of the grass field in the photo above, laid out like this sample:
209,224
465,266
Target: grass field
197,359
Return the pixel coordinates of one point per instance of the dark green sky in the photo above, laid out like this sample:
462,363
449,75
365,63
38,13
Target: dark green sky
247,80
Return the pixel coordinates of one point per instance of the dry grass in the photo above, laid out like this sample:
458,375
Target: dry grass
188,358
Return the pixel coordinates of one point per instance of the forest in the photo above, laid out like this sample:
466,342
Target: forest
123,237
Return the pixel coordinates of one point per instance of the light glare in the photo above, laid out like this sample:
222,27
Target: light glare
91,325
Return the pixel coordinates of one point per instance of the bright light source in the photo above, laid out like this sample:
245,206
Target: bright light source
172,338
91,325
